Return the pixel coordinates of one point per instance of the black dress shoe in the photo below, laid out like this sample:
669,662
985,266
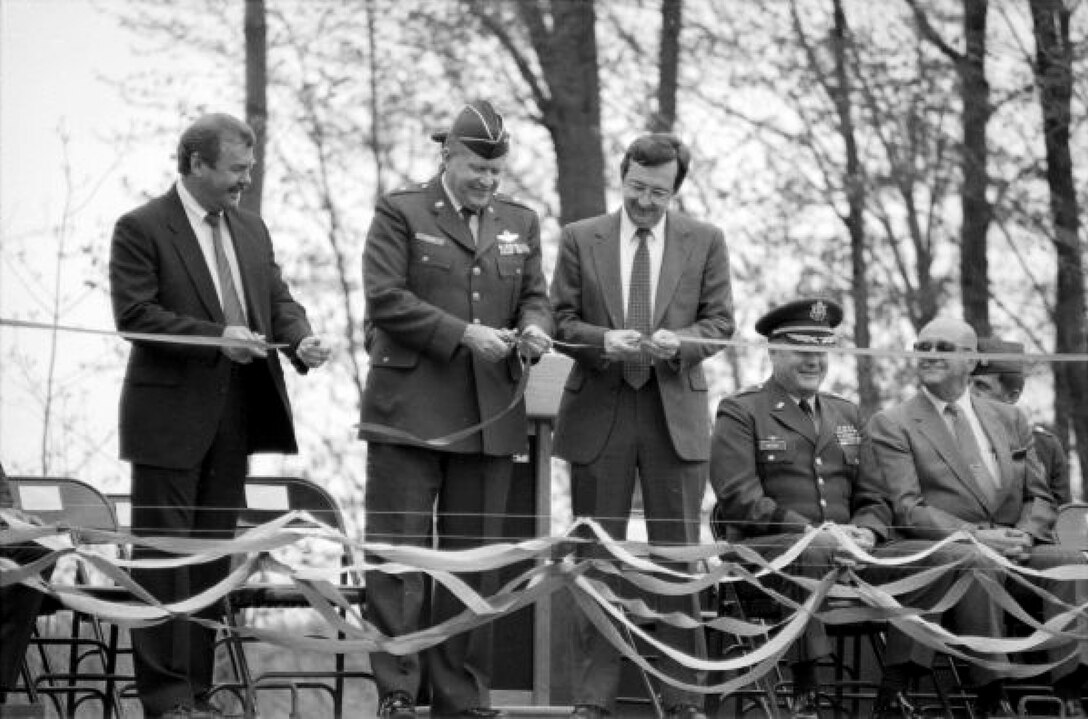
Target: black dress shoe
588,711
1073,709
805,705
685,711
479,712
397,705
891,704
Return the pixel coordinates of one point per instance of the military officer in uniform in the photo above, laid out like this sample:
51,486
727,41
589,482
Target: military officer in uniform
453,283
1003,379
785,457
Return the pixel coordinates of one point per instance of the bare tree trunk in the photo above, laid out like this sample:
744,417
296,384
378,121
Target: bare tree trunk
854,182
375,107
668,64
975,91
256,31
1054,75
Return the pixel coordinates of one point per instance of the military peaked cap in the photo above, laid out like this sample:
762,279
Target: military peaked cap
992,345
811,321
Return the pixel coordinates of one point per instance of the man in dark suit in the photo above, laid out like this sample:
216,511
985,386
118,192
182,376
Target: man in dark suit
191,262
1003,380
785,457
453,282
628,287
19,603
950,462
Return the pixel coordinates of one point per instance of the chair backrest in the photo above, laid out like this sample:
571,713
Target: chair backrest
62,500
1071,527
122,509
271,497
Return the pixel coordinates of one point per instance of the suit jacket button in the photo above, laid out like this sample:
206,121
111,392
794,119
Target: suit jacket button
385,359
476,271
425,258
475,296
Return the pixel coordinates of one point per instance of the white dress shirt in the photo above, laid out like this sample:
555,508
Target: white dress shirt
196,214
655,243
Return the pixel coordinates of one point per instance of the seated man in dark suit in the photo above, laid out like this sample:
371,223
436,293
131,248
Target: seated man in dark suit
18,603
952,462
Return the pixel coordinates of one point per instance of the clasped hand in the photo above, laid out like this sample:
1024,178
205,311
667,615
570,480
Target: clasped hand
629,344
493,344
243,355
1014,544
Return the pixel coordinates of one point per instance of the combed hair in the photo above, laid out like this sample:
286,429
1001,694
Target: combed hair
656,149
205,137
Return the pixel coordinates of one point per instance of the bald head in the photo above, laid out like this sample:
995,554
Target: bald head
944,375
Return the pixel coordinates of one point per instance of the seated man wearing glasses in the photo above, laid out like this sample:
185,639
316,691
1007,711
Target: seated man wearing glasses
952,462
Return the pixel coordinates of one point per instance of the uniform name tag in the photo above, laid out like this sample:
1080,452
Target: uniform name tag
772,443
430,239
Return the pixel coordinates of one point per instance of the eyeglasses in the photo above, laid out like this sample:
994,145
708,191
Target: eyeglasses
656,194
936,346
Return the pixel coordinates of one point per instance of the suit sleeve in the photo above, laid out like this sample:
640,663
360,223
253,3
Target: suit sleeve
135,293
714,319
736,480
534,307
887,458
289,323
566,292
391,305
871,502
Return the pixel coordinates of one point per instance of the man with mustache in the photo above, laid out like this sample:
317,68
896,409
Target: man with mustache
192,262
949,462
455,296
628,286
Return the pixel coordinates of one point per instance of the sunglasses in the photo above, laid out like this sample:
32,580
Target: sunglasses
936,346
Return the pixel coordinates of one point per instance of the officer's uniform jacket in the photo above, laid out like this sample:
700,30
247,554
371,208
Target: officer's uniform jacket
774,473
425,279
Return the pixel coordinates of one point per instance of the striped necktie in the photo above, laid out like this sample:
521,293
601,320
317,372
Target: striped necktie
232,306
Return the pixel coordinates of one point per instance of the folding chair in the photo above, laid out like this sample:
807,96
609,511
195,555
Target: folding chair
268,498
76,504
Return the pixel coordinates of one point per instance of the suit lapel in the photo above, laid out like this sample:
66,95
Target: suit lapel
999,441
606,262
933,427
673,261
188,249
786,412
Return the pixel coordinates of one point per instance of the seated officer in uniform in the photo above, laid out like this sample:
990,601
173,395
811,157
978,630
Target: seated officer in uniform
18,603
785,457
1003,379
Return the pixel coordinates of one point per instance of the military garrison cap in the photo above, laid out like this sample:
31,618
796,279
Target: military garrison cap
479,128
811,321
992,345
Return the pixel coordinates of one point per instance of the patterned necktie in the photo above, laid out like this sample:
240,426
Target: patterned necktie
232,306
639,315
968,445
472,220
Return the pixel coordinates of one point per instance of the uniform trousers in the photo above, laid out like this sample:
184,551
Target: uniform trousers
175,660
19,606
638,446
403,486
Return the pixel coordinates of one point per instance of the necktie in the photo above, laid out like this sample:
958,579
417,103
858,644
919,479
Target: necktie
636,372
472,220
807,408
232,306
968,445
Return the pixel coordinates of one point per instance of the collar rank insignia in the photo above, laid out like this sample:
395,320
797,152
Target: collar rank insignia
818,312
507,236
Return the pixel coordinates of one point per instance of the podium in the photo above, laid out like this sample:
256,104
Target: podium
522,673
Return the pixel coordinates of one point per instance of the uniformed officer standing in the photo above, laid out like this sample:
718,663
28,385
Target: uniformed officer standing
1003,379
785,457
451,272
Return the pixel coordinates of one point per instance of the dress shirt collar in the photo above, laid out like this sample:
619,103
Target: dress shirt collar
628,228
963,402
193,208
450,196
